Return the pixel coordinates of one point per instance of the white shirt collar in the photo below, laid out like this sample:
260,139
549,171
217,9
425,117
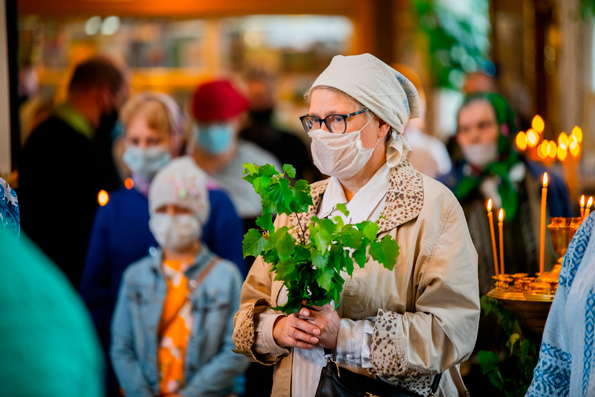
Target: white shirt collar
363,204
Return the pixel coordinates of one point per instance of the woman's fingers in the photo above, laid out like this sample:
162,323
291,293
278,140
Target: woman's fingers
292,331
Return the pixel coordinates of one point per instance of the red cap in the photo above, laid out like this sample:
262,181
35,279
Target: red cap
217,100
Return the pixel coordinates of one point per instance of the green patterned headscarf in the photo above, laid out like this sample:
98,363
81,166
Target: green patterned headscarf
507,157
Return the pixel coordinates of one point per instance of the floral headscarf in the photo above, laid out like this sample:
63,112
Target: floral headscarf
507,157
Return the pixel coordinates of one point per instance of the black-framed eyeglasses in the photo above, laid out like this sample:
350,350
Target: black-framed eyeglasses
335,123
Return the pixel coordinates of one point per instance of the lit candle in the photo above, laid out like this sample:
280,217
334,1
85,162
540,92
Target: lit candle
583,206
588,209
491,218
542,226
500,222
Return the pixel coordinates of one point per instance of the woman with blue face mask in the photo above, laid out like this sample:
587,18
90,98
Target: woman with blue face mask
218,110
153,125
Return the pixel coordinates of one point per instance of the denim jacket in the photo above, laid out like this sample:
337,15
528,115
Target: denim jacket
210,366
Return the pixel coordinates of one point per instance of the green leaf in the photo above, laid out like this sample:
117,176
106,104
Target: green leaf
326,277
321,234
254,243
285,270
319,260
360,256
488,361
338,222
289,170
283,242
385,251
302,254
265,222
302,198
260,184
280,195
269,170
370,229
345,262
350,237
343,208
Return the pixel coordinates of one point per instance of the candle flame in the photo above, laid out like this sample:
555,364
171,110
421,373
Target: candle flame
577,132
545,179
575,148
553,149
562,153
490,205
102,198
532,138
538,124
590,202
583,201
563,139
521,140
129,183
501,215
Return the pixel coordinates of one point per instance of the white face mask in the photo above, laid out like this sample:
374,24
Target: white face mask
175,232
339,155
480,154
146,162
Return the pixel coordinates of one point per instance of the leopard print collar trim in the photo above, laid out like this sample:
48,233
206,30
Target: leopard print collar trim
404,199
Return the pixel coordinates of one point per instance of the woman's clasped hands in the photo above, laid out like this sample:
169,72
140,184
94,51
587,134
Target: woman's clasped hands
307,328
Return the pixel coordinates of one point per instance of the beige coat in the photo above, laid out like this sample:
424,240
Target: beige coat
426,309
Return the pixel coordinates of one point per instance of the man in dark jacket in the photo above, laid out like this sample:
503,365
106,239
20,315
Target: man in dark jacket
261,130
66,162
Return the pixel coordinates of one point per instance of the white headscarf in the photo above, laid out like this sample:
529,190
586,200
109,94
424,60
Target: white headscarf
380,88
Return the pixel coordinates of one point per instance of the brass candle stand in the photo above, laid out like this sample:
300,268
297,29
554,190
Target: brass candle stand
530,298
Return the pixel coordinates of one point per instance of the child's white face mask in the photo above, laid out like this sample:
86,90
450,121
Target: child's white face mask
175,232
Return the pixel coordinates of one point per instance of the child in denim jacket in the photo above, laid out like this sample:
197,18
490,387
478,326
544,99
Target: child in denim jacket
172,327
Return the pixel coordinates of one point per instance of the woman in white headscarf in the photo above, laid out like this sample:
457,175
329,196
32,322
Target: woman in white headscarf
404,325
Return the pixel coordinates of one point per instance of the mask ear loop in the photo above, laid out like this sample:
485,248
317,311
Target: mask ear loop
358,142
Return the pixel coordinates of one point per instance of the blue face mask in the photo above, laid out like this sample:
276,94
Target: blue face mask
146,162
214,138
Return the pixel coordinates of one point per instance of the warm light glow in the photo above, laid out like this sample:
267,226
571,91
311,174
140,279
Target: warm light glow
538,124
102,198
532,138
578,133
575,148
546,148
521,140
590,202
583,201
545,180
541,150
563,140
501,215
490,205
553,149
562,153
129,183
